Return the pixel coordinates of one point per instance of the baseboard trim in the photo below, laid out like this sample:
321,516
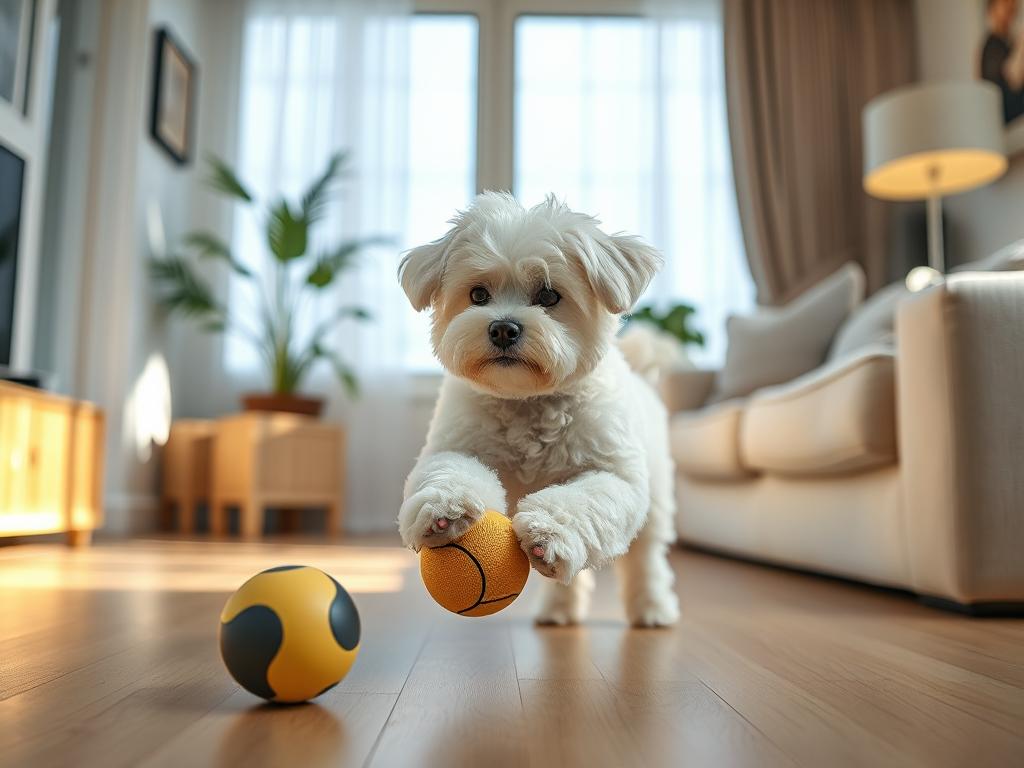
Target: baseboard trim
997,609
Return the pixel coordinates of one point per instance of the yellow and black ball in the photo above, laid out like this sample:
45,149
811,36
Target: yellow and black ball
289,633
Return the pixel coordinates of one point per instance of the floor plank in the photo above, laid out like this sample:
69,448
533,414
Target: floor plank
461,705
338,729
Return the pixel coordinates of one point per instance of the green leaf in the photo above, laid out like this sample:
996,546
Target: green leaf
210,247
675,322
286,233
342,370
183,290
331,264
315,200
223,179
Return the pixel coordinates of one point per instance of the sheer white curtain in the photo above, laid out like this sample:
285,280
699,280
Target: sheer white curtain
317,77
625,118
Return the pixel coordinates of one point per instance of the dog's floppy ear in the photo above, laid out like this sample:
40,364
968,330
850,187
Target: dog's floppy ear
619,268
420,271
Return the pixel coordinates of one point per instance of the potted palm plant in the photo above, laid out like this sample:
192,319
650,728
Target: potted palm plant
298,276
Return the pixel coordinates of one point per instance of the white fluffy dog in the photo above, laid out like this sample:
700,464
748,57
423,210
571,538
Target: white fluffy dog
540,416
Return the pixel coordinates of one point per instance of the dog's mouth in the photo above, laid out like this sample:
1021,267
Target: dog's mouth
505,361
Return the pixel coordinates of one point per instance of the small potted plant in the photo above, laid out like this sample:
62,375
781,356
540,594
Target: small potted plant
675,322
654,341
298,276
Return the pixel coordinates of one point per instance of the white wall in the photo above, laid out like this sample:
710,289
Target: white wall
114,181
979,222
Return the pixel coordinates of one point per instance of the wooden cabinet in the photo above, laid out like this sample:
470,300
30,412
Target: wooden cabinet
279,460
186,472
51,464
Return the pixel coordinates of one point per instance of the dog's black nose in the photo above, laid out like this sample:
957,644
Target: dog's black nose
504,333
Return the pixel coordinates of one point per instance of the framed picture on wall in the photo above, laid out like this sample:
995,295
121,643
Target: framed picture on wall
15,45
174,89
1000,60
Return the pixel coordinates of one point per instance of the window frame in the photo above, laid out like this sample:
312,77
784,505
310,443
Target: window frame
496,69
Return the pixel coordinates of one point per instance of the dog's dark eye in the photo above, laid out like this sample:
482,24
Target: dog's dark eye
479,295
547,297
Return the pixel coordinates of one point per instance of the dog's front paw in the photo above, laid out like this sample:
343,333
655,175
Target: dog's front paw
554,550
432,517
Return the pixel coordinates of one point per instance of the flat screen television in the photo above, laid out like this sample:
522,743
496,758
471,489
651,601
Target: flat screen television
12,178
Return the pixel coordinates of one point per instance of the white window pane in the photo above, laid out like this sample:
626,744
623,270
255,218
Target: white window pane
624,118
442,142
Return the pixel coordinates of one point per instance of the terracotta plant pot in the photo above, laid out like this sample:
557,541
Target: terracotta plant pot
282,403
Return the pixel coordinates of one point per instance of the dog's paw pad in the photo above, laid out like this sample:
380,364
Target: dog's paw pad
542,561
437,517
447,525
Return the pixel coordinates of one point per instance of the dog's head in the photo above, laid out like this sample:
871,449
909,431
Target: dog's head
525,302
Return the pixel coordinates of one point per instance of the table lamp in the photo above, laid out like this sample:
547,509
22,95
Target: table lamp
923,142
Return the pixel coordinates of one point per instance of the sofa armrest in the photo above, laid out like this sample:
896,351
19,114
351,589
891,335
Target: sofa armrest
960,367
685,389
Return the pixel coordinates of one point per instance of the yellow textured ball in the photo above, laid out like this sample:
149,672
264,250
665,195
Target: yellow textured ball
479,573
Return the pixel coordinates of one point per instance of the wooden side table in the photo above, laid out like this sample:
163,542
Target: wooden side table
277,460
186,471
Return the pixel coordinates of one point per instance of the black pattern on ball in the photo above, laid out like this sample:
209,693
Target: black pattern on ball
344,618
248,643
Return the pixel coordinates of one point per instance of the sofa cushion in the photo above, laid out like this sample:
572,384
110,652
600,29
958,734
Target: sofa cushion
705,443
776,345
1007,259
836,420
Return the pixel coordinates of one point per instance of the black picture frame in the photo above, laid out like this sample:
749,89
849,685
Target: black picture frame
172,114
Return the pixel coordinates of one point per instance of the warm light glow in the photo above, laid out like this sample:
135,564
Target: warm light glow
149,407
147,566
30,522
938,173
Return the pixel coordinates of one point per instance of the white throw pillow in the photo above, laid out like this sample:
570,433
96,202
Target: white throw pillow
776,345
873,322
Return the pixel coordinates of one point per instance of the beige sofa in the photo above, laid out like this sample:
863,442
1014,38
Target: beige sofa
900,465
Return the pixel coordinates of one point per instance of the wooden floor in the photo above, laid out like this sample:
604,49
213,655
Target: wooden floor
108,657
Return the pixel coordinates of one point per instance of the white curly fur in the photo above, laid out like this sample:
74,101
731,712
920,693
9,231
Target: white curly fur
563,436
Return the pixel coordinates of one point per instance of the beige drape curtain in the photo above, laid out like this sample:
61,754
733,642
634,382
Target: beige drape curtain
798,73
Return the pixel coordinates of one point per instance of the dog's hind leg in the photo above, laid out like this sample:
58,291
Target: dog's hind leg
646,580
645,575
563,604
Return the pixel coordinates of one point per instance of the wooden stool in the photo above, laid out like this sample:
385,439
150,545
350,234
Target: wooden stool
278,460
186,471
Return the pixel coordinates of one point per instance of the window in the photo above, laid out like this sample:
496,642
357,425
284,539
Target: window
621,116
302,98
624,118
442,143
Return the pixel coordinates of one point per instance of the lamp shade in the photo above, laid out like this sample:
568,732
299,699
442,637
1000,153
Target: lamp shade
933,140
